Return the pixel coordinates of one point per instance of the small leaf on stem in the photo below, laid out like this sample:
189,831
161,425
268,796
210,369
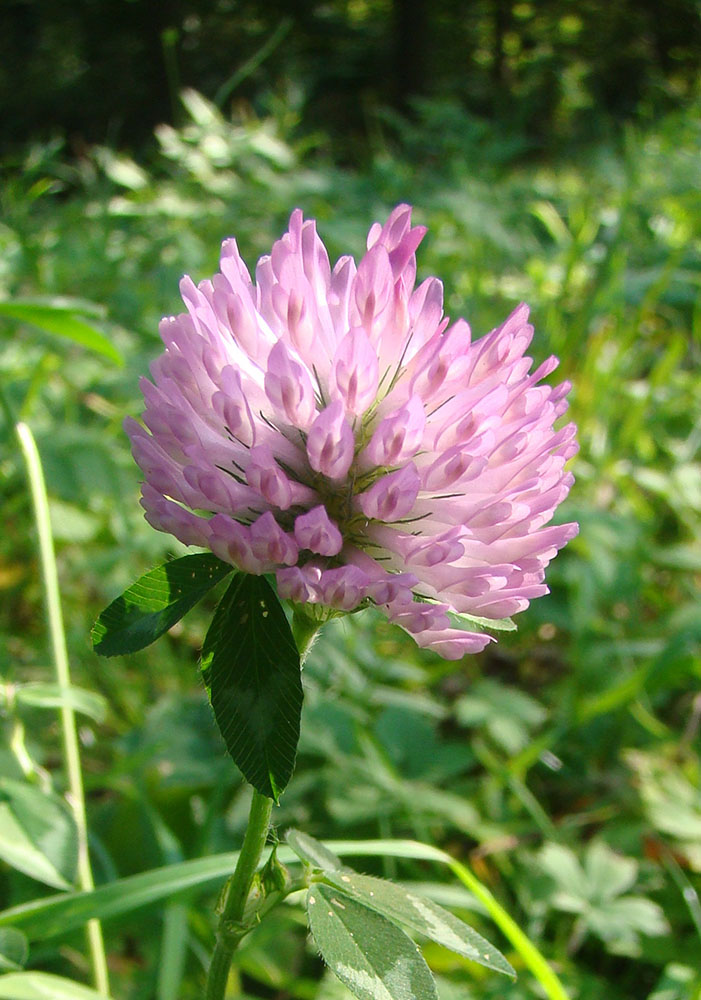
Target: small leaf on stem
313,852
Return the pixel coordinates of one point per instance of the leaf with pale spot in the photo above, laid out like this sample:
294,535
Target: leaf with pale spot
251,668
420,915
373,957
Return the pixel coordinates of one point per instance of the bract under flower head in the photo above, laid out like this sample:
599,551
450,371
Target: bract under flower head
332,427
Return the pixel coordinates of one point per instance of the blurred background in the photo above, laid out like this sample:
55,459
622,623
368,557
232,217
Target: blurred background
553,150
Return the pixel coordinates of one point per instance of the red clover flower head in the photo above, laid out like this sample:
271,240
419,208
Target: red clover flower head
332,427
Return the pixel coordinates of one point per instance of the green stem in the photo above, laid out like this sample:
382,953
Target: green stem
232,923
76,793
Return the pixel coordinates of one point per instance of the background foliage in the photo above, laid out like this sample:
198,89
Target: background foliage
553,154
547,69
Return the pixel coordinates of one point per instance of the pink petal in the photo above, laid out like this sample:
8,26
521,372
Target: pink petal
453,469
318,533
266,477
231,542
399,239
451,643
231,406
355,371
270,543
393,587
419,616
397,437
289,388
392,497
373,288
343,588
298,584
165,515
330,445
437,550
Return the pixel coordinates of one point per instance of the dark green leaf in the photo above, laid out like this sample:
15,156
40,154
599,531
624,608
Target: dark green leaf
252,671
421,915
373,957
155,602
14,949
37,834
63,321
313,852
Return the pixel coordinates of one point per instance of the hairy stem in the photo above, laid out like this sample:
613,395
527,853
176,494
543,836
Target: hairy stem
76,793
231,925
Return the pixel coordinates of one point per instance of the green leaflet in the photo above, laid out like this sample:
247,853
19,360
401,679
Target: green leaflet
399,905
421,915
155,602
369,954
313,852
251,668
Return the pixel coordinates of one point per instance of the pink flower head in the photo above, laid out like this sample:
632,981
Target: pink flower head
331,426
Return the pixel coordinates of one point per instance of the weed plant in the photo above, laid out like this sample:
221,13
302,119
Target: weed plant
563,765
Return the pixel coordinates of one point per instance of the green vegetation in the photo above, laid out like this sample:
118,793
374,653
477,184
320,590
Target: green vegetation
549,71
560,766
